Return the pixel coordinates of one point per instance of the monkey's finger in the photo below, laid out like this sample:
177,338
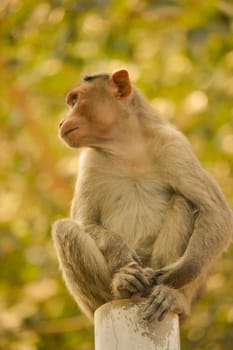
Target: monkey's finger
149,274
136,281
159,273
127,288
151,301
155,310
157,305
165,307
156,293
163,314
130,283
143,279
150,314
142,274
139,276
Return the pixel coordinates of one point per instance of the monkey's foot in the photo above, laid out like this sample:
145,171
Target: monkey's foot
163,300
132,280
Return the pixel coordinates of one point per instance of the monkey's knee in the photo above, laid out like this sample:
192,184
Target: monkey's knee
65,233
62,229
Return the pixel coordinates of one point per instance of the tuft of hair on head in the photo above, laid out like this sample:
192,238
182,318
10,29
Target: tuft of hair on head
96,76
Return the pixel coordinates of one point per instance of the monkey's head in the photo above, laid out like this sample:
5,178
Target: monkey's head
98,110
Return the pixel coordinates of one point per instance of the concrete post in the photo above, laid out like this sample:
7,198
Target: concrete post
119,325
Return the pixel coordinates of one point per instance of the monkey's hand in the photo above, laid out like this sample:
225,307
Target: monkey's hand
132,280
162,300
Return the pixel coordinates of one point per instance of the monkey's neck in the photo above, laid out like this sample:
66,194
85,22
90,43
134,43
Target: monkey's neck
131,153
131,143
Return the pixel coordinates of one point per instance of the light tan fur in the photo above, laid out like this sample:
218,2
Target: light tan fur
146,218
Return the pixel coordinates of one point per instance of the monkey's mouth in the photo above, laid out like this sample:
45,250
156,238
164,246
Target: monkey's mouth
67,132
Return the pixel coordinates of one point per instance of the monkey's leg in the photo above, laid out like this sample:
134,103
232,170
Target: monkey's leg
128,277
83,266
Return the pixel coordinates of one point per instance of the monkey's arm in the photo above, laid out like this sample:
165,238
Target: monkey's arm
214,223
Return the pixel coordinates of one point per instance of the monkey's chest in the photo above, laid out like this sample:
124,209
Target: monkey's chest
134,209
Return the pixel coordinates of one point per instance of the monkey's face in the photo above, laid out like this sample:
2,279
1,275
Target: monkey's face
95,112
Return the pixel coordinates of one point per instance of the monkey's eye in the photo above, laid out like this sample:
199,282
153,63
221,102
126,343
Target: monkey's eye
72,99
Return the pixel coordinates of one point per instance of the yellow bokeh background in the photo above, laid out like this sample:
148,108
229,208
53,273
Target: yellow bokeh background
180,53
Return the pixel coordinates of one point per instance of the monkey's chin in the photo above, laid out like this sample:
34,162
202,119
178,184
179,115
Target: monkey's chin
70,143
70,138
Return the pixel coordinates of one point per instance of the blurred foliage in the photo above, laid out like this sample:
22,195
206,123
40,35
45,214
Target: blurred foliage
181,55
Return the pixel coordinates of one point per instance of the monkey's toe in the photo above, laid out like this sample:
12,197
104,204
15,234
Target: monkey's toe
161,301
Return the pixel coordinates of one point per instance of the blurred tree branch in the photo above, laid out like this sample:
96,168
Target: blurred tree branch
60,326
18,97
77,323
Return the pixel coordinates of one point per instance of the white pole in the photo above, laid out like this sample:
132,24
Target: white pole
119,325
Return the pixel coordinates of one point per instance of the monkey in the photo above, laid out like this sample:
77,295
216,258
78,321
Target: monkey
146,219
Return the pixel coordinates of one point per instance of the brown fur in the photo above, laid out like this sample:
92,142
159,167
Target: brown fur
146,218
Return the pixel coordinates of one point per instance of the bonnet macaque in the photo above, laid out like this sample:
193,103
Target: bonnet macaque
146,219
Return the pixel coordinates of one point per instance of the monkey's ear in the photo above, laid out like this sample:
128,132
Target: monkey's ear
121,80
